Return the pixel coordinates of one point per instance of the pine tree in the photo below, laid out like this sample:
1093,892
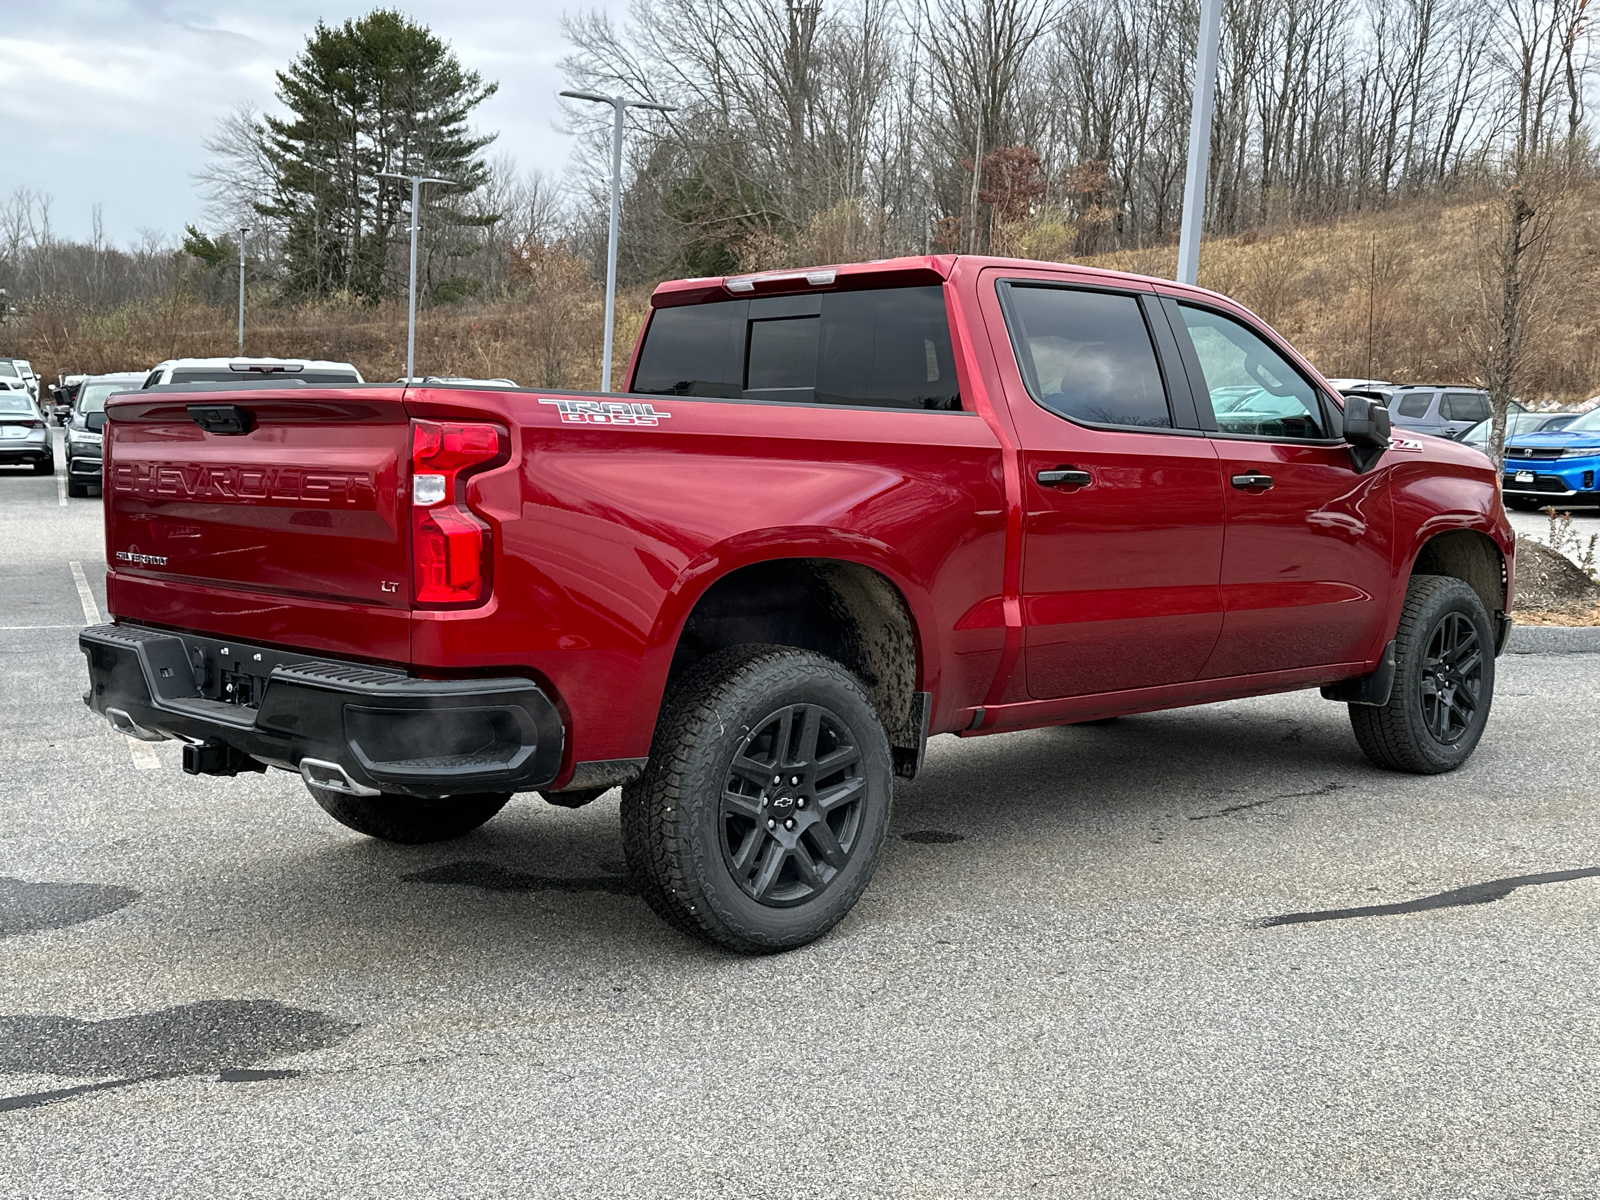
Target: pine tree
372,95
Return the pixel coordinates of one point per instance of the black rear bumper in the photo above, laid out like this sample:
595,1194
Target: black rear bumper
384,730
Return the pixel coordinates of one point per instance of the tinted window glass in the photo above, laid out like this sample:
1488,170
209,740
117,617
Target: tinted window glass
697,350
1416,404
783,356
1088,356
1464,406
1254,390
888,348
9,371
885,348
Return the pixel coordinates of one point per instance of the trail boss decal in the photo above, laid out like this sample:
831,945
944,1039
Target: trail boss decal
607,412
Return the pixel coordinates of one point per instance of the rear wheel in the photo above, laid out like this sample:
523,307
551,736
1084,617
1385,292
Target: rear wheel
762,813
1443,683
406,819
45,466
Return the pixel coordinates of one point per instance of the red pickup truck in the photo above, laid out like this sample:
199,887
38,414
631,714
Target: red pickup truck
836,511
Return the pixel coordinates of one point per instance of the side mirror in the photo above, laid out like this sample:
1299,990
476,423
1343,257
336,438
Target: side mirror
95,421
1367,429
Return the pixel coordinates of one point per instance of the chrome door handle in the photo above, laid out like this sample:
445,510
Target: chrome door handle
1063,477
1252,480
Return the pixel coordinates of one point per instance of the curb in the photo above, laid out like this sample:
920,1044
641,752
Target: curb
1554,639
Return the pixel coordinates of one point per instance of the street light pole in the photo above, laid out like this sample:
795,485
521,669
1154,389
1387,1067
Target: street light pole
619,106
1194,183
411,287
243,229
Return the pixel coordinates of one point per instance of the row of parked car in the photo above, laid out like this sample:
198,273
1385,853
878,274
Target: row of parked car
79,403
1552,459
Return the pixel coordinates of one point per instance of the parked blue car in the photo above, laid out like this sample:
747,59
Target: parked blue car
1555,468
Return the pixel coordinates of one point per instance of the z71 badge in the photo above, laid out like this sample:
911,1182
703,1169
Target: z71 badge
607,412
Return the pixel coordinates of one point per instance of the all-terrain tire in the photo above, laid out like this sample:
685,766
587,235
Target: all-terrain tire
1444,681
405,819
763,811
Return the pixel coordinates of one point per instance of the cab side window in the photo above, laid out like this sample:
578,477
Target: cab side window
1087,355
1254,390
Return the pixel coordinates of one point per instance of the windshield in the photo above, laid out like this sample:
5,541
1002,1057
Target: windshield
1588,423
92,397
13,405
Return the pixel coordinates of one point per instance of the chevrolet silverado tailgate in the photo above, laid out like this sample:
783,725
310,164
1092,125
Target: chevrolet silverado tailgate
272,515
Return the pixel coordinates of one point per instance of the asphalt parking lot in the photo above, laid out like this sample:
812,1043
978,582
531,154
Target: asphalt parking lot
1203,953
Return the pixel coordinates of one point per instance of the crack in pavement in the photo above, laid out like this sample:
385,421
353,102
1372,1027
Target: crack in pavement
1326,789
222,1036
1477,893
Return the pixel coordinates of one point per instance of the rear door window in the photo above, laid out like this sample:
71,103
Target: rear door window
883,348
1087,355
1464,406
1416,404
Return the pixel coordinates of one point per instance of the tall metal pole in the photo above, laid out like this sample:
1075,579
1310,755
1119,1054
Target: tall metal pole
416,182
244,230
1194,183
411,284
619,107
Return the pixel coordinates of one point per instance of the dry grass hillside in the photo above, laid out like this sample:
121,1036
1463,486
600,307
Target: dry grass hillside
1395,294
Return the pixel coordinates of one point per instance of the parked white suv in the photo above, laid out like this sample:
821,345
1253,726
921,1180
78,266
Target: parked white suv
308,372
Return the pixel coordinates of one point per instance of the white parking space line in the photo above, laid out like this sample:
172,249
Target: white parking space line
61,489
21,628
91,610
144,757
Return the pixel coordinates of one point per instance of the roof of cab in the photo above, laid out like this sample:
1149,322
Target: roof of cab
926,269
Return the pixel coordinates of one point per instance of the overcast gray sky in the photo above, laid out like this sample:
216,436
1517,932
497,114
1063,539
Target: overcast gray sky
108,100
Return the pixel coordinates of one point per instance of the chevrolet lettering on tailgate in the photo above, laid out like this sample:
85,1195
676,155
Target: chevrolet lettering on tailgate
252,484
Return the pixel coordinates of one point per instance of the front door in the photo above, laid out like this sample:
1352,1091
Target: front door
1306,559
1122,535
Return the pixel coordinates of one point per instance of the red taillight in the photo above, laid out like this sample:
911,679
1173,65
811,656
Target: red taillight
451,547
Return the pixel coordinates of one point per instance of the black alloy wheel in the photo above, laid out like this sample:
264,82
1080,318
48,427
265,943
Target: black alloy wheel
1452,677
791,807
1443,685
764,806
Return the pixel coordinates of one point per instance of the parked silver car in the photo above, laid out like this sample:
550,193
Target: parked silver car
83,430
1443,411
25,434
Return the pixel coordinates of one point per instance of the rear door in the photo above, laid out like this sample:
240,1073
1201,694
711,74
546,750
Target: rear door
1460,411
1307,557
1123,508
273,516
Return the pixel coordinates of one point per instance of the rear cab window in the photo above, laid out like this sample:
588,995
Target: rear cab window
877,348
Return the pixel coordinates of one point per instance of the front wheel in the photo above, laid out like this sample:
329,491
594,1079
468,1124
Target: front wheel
762,813
1443,683
406,819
